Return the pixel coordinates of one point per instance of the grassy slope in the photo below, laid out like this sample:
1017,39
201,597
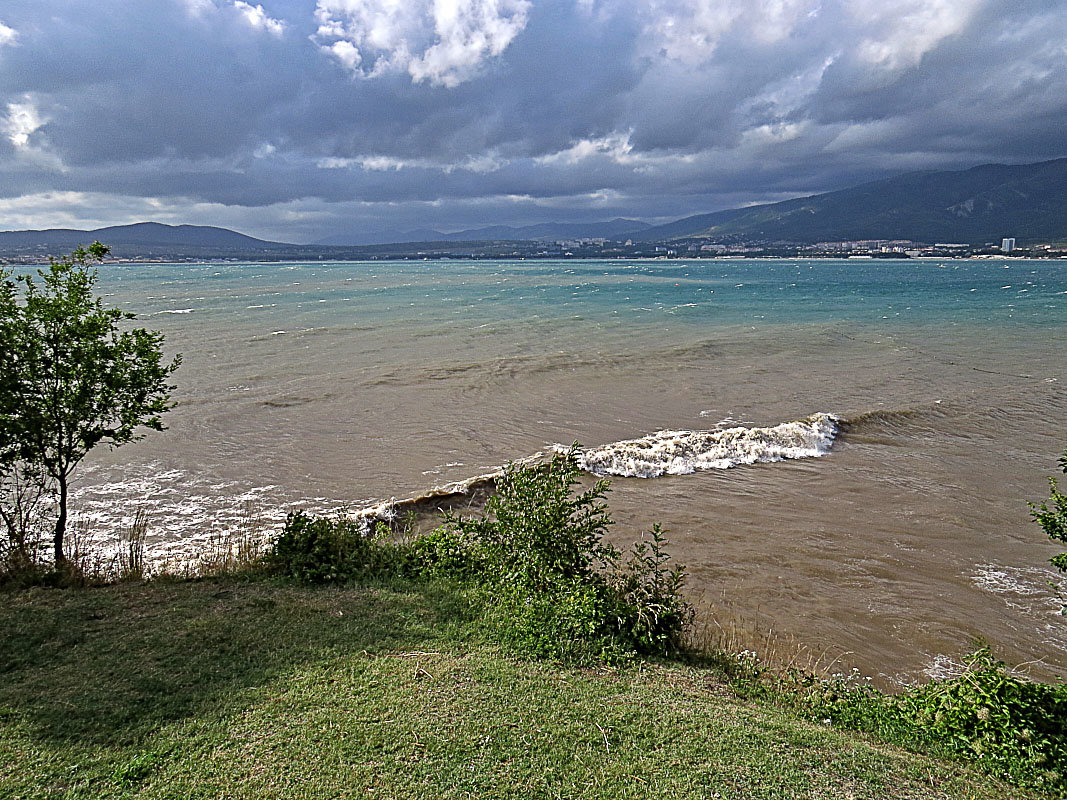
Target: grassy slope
251,689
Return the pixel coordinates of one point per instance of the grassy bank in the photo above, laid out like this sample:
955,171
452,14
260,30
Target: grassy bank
258,688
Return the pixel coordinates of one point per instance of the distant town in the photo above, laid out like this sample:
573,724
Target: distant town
592,247
703,248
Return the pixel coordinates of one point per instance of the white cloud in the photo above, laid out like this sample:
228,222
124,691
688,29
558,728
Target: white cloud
382,163
891,34
616,146
258,19
7,35
689,31
347,53
252,15
23,120
482,164
772,134
44,210
368,163
443,42
197,8
899,33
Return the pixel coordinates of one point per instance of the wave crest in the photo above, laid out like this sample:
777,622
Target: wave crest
684,452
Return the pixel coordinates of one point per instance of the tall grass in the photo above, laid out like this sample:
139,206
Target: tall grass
130,556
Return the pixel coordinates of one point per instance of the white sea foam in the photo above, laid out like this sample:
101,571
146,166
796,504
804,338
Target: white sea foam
1004,581
187,514
942,667
684,452
1029,592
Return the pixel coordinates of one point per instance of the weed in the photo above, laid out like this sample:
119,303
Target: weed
650,610
1011,727
1014,727
130,561
319,550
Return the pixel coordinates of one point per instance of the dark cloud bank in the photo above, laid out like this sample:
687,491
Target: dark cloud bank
305,120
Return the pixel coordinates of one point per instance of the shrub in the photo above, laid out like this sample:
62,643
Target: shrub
548,583
650,611
537,533
1016,728
1052,516
445,552
568,621
1011,727
554,587
317,550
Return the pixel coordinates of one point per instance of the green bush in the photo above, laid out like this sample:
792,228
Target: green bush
317,550
650,611
554,587
1052,516
548,583
445,552
537,533
1015,728
1012,728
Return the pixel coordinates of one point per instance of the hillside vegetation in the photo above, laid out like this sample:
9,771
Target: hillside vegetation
973,206
242,688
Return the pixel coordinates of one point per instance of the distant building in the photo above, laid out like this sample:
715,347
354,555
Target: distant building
1007,245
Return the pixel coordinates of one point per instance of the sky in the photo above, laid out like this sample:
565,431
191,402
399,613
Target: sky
358,120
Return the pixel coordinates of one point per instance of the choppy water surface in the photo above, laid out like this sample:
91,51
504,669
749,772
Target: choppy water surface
934,395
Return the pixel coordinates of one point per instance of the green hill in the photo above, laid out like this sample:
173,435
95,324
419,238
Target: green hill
973,206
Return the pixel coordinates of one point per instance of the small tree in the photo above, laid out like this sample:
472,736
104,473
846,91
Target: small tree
21,487
70,378
1052,516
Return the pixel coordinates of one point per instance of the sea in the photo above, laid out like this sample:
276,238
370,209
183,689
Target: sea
841,451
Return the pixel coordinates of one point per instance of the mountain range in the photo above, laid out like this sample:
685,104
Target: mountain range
150,235
544,231
973,206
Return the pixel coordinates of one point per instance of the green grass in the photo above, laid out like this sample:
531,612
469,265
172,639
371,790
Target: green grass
230,688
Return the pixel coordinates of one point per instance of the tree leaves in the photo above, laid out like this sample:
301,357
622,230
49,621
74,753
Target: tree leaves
70,376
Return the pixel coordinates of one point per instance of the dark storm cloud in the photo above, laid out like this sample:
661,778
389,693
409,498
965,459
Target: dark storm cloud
296,119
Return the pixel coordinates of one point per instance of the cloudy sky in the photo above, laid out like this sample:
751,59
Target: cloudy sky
299,120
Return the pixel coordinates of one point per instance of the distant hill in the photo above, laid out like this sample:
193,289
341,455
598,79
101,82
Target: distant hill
141,238
688,226
544,231
973,206
614,229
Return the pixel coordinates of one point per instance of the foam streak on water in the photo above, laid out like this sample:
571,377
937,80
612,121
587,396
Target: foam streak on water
685,452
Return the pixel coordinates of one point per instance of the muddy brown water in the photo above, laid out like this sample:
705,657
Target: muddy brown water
894,552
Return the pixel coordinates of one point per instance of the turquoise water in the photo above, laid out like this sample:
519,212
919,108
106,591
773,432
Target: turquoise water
607,293
326,385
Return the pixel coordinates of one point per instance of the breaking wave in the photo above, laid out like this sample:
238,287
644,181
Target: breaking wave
684,452
663,453
188,513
